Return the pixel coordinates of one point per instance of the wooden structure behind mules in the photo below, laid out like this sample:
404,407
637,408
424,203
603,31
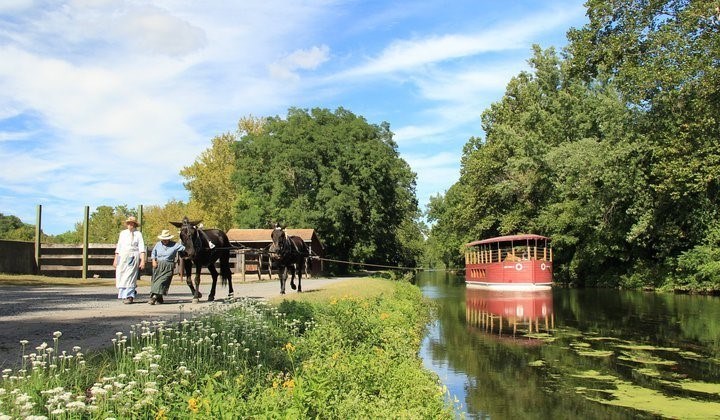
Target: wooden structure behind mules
259,239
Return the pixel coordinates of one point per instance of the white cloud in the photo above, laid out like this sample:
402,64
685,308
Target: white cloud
418,133
464,85
7,6
6,136
308,59
408,55
156,31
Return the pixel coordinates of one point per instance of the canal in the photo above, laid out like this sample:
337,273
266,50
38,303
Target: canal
570,353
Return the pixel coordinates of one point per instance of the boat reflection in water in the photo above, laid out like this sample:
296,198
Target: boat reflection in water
510,313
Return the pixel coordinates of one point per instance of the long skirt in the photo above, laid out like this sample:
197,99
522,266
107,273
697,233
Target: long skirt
127,273
161,278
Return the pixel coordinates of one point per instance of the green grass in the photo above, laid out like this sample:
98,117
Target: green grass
342,352
364,288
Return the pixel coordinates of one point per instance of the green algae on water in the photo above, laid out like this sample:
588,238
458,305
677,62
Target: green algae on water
541,336
651,401
646,359
691,355
646,347
594,374
605,339
696,386
650,372
594,353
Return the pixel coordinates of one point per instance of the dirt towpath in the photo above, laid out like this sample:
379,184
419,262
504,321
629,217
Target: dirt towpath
90,316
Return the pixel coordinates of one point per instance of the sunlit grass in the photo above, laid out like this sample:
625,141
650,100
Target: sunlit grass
359,288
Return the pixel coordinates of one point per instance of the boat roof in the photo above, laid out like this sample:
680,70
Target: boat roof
508,238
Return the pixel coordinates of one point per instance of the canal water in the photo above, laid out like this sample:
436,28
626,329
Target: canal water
569,353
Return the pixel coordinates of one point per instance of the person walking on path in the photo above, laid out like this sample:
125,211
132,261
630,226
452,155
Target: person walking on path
163,262
129,260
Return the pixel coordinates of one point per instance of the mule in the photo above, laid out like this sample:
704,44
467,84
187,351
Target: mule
200,253
289,253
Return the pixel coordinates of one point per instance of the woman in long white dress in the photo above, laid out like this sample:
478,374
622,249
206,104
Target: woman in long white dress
129,260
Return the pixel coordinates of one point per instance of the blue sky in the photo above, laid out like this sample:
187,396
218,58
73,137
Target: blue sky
102,102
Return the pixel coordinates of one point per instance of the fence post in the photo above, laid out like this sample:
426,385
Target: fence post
38,232
86,239
140,223
242,264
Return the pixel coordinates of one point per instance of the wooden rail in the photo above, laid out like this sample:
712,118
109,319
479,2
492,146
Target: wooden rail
96,261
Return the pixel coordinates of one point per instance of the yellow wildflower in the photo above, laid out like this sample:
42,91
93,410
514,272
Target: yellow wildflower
289,347
194,404
290,383
161,414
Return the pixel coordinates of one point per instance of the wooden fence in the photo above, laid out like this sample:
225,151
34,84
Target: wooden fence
67,261
95,260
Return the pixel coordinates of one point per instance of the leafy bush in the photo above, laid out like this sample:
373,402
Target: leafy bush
698,270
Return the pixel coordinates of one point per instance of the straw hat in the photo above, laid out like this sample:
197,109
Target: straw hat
165,235
133,220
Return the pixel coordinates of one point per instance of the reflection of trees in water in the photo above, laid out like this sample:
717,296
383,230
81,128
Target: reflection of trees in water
588,334
503,384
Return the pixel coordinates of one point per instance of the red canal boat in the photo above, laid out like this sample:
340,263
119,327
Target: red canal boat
515,262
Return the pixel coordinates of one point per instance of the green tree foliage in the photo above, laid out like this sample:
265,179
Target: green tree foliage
12,228
612,151
104,226
663,58
209,181
106,223
335,172
156,218
209,178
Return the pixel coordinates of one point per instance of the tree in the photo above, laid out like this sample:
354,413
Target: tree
662,56
209,181
250,125
12,228
9,223
156,218
611,151
332,171
106,223
556,160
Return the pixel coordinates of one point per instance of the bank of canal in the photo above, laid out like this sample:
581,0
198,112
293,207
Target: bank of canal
591,354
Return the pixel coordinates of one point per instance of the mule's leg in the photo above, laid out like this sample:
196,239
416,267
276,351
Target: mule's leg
227,275
300,270
186,273
197,295
214,274
282,275
292,269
